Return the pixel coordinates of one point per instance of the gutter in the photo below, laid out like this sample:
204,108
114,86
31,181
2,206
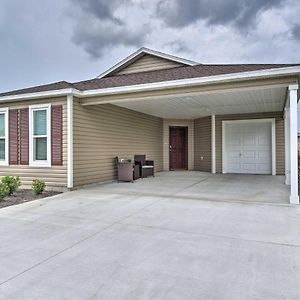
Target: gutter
276,72
38,95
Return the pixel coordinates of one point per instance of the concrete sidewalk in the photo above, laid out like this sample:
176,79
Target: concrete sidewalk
153,239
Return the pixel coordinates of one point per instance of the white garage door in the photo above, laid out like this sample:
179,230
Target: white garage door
248,147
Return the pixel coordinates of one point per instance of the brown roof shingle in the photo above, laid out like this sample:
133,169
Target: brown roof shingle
201,70
40,88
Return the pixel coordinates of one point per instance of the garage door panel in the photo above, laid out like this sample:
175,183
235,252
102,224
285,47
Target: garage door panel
263,141
233,128
249,167
249,154
263,154
235,167
234,141
248,148
249,141
263,168
234,154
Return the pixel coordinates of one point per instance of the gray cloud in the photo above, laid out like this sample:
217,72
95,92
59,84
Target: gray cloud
39,47
296,32
178,46
240,13
101,9
101,36
98,27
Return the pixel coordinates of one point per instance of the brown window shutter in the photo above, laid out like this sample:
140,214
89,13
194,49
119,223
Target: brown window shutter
24,136
13,137
56,135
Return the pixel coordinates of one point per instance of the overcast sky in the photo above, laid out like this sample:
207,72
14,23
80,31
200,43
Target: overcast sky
47,41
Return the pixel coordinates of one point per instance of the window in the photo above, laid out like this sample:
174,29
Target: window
4,136
40,150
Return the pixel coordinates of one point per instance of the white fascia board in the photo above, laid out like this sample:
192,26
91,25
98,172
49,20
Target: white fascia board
169,56
158,85
194,81
150,52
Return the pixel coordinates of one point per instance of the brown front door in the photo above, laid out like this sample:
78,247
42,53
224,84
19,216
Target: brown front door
178,148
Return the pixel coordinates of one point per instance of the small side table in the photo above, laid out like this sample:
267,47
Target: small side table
125,171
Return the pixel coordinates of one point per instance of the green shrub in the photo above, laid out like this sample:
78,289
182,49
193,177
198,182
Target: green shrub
4,190
12,182
38,186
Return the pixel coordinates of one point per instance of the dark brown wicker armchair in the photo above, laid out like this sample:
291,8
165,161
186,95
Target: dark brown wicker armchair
146,166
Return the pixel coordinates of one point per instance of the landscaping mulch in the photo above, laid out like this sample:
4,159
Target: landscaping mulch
22,196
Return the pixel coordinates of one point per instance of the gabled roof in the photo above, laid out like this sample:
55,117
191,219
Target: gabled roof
166,75
140,53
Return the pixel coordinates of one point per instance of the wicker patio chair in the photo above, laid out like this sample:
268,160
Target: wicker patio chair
146,166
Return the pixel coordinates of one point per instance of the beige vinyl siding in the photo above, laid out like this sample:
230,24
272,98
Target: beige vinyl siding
202,133
103,132
55,176
184,123
148,63
279,127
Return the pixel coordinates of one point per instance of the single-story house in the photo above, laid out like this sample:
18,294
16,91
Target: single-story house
229,118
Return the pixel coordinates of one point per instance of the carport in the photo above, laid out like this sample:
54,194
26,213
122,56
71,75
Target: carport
245,127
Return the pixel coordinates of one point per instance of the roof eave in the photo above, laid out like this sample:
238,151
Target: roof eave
260,74
40,95
275,72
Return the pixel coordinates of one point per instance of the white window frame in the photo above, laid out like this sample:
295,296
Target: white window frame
271,121
4,111
39,163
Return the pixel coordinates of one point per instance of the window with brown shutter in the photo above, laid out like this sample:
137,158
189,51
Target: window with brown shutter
13,136
56,135
24,136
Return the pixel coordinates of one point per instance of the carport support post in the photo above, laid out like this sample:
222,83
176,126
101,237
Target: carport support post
213,144
287,142
70,141
294,197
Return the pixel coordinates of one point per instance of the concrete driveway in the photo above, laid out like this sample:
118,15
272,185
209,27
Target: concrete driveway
153,239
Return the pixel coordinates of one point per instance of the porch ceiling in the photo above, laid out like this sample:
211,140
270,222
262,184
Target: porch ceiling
205,104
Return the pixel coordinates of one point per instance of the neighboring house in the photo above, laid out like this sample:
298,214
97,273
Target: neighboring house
183,115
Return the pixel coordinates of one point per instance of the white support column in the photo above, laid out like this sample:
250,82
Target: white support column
294,197
70,140
213,144
287,142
